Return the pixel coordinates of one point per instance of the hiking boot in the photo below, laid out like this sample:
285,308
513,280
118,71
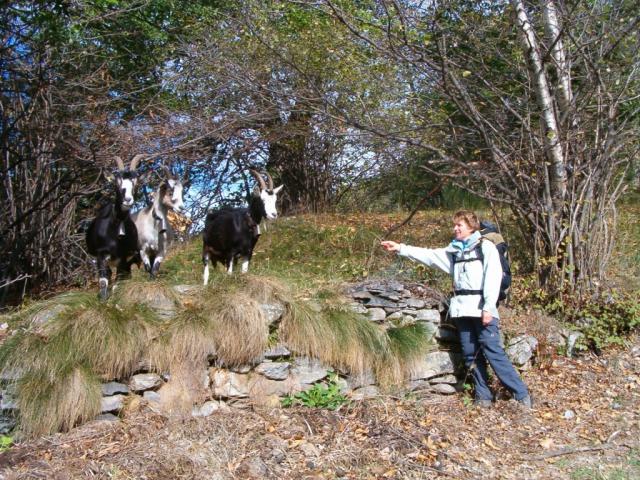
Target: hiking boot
526,402
482,403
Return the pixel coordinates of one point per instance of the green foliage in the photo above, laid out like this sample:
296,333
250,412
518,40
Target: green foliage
323,395
5,442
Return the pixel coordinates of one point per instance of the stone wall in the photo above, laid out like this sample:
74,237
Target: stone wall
279,372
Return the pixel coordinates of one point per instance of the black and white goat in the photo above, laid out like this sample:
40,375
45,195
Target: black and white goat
232,233
112,236
154,231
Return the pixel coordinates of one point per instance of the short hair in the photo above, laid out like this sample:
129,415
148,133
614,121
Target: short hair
468,217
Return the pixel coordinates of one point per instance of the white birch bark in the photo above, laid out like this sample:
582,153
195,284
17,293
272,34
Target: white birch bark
552,32
545,101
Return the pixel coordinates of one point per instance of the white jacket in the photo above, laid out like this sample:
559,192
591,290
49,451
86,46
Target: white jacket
474,275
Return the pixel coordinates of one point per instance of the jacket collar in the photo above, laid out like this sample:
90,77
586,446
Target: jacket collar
464,245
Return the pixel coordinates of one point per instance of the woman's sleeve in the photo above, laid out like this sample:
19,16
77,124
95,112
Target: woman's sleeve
437,257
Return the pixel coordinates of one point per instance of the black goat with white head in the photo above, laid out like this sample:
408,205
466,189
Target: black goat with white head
154,232
232,233
112,236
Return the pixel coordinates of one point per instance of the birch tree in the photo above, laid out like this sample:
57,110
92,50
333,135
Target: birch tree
533,106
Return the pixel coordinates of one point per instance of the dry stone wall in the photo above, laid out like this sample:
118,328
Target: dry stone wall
280,373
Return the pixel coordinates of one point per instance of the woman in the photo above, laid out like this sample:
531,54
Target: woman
476,283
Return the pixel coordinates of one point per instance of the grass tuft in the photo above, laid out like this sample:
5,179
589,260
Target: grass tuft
49,405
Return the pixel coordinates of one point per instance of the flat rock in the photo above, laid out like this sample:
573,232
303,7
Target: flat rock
272,311
443,389
111,388
370,391
415,303
112,403
450,379
278,351
521,349
151,396
361,295
434,364
358,308
376,314
307,371
228,384
447,334
380,303
428,315
206,409
144,381
274,370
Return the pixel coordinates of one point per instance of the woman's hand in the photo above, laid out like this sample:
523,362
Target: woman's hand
390,246
486,318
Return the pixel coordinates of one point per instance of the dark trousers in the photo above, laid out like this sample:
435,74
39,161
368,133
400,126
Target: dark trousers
481,344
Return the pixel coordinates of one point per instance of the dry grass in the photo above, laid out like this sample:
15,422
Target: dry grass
52,404
348,341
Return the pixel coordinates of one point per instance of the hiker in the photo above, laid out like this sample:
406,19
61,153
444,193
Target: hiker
476,283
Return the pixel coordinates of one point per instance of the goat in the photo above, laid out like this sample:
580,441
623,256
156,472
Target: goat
232,233
154,231
112,236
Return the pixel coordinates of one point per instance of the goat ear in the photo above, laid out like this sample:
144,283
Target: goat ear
277,190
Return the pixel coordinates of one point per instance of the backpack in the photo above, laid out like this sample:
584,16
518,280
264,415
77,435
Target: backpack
489,231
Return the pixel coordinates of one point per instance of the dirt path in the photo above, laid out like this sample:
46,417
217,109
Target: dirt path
586,424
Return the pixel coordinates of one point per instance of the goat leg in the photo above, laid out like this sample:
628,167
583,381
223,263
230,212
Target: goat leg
104,274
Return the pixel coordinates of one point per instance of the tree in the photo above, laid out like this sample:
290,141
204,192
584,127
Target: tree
528,105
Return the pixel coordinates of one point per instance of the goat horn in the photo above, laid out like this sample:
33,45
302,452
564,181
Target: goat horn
135,161
259,179
167,171
270,180
119,163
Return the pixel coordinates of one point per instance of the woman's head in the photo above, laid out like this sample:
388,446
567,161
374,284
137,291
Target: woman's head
465,223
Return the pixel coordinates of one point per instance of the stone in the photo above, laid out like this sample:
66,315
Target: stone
111,388
395,315
411,313
240,369
163,305
380,303
361,295
443,389
278,352
428,315
356,307
357,381
274,370
447,334
370,391
151,396
573,340
450,379
393,296
8,399
434,364
415,303
45,315
112,403
308,371
252,467
7,424
430,330
206,409
228,384
376,314
107,418
569,414
521,349
187,289
144,381
272,311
